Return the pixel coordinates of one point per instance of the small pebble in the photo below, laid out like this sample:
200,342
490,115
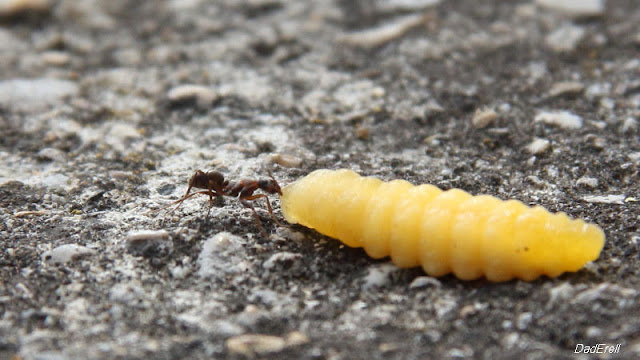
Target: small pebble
32,95
471,309
122,131
222,254
290,234
605,291
563,119
202,96
66,253
607,103
180,272
560,293
605,199
362,132
630,125
483,117
56,182
166,189
596,142
566,88
577,8
14,7
381,35
56,58
283,259
538,146
565,38
593,332
50,154
149,243
288,161
405,5
424,281
251,345
296,338
121,175
511,340
378,276
587,181
25,213
524,320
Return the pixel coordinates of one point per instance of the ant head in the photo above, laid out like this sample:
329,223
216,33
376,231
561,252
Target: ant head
270,186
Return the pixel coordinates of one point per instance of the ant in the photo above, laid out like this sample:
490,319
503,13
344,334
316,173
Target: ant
215,184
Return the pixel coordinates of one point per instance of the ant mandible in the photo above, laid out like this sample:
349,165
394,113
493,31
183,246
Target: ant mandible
214,184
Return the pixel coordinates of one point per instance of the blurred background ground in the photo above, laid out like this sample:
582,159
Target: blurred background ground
107,108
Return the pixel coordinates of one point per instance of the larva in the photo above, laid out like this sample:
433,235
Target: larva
442,231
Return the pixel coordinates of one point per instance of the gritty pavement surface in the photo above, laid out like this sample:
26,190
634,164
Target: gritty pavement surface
108,107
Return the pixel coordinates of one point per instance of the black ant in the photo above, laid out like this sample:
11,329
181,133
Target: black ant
215,184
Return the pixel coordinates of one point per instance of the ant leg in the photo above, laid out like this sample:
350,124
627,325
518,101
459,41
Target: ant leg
253,197
179,201
244,202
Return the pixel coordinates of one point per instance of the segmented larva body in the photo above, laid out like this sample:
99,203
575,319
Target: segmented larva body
442,231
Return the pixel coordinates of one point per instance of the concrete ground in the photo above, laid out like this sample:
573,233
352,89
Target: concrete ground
108,107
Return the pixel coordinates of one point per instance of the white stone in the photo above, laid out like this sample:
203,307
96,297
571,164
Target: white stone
629,125
66,253
405,5
147,235
250,345
424,281
565,38
281,257
587,181
203,96
288,161
377,36
523,321
576,8
378,276
483,117
566,87
605,199
563,119
55,181
32,95
11,7
538,146
222,254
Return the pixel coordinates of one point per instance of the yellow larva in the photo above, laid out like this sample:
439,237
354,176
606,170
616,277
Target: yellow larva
442,231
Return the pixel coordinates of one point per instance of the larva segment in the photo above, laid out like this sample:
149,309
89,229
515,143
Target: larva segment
407,219
435,232
376,227
445,232
351,208
497,244
466,236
